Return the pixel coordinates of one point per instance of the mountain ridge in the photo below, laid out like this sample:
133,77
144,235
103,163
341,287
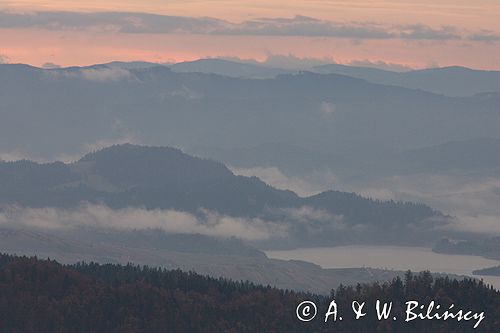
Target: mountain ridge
156,178
157,106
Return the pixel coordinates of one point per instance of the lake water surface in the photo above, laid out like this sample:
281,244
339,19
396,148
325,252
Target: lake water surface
391,257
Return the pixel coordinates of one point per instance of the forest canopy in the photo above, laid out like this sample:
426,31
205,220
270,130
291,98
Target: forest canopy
45,296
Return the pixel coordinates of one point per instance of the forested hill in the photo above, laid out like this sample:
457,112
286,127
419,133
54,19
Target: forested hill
44,296
162,178
166,178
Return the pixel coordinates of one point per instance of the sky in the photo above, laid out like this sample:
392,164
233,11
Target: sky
383,33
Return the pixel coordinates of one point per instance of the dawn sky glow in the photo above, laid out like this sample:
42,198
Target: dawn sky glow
412,33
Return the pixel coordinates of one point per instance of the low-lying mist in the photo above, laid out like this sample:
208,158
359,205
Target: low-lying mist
471,198
99,216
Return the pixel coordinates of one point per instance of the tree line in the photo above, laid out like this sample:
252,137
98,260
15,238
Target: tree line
45,296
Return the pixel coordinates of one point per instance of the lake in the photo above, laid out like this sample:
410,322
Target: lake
391,257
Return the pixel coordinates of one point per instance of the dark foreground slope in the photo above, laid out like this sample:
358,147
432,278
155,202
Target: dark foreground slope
44,296
216,257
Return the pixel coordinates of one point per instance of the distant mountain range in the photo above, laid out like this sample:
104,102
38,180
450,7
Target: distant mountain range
477,156
149,203
98,105
451,81
229,68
